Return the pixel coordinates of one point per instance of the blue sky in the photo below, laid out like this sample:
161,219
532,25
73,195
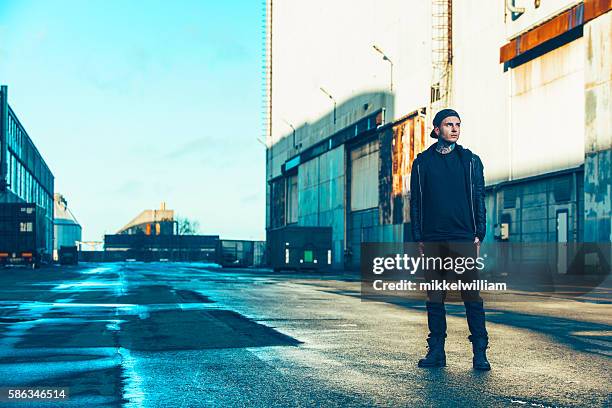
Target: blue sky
136,102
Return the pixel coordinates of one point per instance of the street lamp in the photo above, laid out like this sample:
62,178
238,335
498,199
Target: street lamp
385,58
332,98
293,128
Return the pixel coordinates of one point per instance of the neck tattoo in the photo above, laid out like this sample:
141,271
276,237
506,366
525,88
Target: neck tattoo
444,147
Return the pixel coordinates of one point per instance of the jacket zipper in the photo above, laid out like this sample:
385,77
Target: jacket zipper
472,198
421,197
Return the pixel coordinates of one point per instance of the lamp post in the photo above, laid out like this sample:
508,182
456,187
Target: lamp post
385,58
293,128
332,98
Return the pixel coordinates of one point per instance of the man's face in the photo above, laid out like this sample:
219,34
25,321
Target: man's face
449,129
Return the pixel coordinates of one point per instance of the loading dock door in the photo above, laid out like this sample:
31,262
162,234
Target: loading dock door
363,216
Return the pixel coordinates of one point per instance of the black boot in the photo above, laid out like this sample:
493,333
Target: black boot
436,320
479,347
479,336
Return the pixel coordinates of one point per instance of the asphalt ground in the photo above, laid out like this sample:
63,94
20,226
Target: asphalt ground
190,335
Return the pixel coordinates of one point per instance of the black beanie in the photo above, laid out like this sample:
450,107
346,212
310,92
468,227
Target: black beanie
440,116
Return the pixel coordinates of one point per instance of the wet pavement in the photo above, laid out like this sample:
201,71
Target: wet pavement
190,335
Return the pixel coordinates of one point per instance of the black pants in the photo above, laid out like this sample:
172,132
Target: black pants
453,251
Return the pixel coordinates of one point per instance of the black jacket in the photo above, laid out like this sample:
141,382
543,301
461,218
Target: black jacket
474,174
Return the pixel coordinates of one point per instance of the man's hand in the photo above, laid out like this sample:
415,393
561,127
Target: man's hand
421,247
477,243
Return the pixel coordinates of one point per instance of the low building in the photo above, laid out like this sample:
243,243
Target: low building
142,247
154,235
67,230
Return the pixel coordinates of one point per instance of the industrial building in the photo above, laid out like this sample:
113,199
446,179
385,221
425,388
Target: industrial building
151,222
120,247
349,105
24,175
155,235
67,230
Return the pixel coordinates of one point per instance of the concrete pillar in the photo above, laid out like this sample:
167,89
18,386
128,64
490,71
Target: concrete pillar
598,129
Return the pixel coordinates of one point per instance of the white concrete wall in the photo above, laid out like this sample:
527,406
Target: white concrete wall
547,112
508,117
328,44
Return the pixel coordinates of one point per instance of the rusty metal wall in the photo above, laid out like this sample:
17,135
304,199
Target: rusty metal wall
399,146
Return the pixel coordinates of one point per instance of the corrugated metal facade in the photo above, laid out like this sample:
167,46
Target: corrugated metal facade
365,160
321,186
363,181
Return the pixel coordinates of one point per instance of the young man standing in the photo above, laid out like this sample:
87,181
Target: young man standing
446,207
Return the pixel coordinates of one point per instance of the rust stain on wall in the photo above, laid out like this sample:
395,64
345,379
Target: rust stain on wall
409,141
399,147
398,158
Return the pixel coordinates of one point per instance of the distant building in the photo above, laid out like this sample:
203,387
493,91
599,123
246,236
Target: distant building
67,229
151,222
24,175
120,247
153,236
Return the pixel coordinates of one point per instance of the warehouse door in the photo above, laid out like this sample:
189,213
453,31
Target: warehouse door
363,223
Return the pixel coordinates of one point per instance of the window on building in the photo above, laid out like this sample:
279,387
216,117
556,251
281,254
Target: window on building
25,227
435,92
10,173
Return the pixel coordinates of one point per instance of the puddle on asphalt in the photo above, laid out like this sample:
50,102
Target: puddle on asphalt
84,305
73,334
93,271
155,330
97,293
88,284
